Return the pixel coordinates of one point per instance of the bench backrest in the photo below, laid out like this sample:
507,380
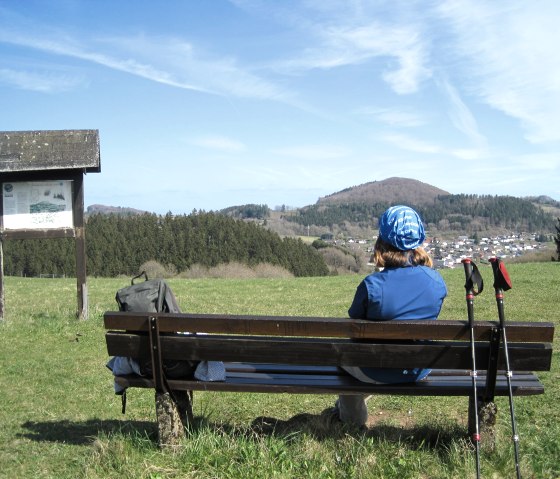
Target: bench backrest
441,344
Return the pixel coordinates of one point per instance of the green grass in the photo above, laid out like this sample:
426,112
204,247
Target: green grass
60,419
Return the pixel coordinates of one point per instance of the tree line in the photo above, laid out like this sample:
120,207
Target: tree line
467,213
119,245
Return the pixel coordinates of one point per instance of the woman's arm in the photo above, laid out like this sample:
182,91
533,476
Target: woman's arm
358,309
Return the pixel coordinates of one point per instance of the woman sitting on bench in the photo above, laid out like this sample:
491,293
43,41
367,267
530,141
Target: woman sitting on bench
406,288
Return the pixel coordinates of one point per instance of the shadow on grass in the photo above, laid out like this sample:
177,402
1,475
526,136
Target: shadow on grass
324,426
85,432
327,426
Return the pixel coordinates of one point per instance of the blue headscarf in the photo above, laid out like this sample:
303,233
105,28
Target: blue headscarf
402,227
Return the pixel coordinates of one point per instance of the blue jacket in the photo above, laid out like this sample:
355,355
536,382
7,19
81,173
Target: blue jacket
411,292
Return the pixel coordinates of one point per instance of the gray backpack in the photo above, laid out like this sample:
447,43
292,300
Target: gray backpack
154,296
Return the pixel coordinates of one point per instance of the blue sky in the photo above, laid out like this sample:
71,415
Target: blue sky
212,103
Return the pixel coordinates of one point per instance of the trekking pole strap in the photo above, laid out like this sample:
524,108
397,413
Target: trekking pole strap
474,283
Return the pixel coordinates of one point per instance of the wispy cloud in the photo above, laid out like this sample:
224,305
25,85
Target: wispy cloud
313,152
394,117
195,69
220,143
167,60
405,142
511,51
337,46
461,116
44,81
468,153
546,163
339,34
409,143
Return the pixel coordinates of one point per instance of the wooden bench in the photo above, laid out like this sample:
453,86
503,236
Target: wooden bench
302,355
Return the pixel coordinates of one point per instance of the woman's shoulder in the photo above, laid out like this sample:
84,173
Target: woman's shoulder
429,271
436,278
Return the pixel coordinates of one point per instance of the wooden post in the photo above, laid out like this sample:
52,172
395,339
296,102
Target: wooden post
79,228
1,279
1,255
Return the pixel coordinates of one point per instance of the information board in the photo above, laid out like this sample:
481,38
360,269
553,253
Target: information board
32,205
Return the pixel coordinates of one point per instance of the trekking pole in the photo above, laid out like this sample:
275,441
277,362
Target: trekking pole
473,278
503,283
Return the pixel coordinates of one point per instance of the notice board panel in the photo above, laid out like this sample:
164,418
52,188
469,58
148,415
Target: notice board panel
42,205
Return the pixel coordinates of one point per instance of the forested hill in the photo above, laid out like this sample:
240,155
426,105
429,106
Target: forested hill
358,207
118,244
392,191
467,213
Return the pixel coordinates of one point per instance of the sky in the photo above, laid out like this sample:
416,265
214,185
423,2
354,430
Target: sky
206,104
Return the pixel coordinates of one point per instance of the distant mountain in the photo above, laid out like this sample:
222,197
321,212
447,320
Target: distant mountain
392,191
544,200
358,207
112,210
355,210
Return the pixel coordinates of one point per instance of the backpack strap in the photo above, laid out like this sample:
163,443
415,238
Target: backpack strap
143,273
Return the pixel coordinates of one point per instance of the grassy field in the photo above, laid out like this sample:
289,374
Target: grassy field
60,419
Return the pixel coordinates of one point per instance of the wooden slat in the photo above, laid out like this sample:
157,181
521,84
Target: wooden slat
326,327
432,386
289,378
333,352
269,368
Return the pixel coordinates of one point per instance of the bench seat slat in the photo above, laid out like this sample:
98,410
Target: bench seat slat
459,385
292,371
462,378
288,368
326,327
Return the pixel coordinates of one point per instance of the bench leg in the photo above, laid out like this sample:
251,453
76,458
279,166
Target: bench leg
174,414
184,402
487,412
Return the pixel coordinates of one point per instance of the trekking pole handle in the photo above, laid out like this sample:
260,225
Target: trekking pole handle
502,283
472,278
502,280
468,266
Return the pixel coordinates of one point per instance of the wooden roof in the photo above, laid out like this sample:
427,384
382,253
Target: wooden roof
26,151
